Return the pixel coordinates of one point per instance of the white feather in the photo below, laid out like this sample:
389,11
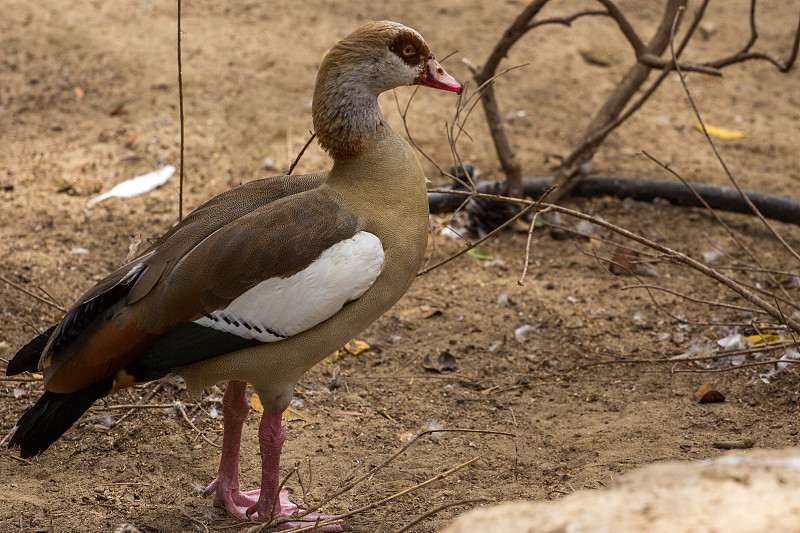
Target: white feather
282,307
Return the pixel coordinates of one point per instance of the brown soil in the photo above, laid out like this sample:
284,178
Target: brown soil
248,72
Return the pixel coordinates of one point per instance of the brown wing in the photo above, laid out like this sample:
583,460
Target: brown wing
108,329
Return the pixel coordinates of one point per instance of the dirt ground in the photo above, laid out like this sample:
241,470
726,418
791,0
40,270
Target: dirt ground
88,98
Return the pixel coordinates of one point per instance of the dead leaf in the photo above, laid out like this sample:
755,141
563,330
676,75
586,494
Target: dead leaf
255,403
624,261
742,444
759,339
481,254
78,93
356,347
133,247
348,413
428,312
705,394
118,110
291,414
722,133
444,362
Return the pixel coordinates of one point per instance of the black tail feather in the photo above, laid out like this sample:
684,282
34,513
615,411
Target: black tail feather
52,415
27,358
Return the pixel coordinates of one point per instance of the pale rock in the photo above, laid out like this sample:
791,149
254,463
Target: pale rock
740,492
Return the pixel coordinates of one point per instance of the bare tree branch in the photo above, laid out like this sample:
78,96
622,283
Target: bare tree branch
616,108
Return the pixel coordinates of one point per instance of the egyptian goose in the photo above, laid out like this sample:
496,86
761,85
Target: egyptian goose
261,282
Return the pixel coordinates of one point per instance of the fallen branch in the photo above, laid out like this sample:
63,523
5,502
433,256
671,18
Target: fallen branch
402,449
668,253
338,518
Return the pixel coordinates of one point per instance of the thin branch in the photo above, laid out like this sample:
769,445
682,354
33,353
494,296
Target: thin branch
710,303
625,27
391,458
492,233
439,509
511,35
568,20
16,379
758,348
47,293
180,106
32,295
711,143
673,255
299,155
276,500
673,363
535,218
746,55
714,214
733,368
144,400
649,291
188,421
340,517
114,407
794,339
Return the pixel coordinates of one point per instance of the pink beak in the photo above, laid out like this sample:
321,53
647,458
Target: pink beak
438,78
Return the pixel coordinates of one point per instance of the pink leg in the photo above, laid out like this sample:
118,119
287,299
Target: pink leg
226,485
271,438
254,504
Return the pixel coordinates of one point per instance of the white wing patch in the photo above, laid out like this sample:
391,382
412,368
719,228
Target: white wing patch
278,308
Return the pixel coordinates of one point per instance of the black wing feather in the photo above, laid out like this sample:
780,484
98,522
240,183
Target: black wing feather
52,415
27,358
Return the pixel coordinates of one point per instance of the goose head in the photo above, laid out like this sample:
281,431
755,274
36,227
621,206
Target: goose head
376,57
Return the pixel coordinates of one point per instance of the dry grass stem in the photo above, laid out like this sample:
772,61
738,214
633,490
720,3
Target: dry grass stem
713,146
348,486
300,154
131,406
32,295
714,214
439,509
489,235
384,501
276,500
20,380
188,421
181,116
143,401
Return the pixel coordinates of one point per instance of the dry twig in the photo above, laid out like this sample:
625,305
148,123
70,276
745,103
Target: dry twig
711,143
667,253
31,294
180,104
300,154
188,421
338,518
439,509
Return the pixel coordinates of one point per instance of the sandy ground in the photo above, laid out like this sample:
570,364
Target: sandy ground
88,97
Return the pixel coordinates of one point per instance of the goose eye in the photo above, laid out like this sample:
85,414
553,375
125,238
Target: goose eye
408,50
